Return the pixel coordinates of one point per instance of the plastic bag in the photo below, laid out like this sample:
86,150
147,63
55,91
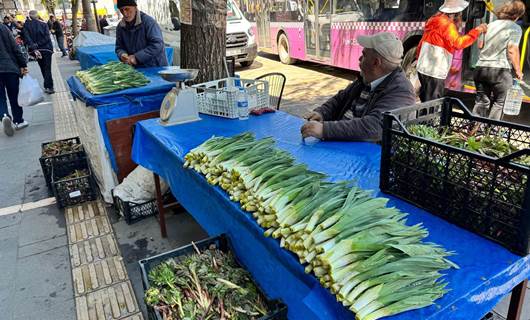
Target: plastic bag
139,186
29,92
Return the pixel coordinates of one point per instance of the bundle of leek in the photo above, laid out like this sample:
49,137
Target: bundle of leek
111,77
356,246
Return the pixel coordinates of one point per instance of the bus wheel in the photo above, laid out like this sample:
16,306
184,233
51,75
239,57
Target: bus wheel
283,50
409,67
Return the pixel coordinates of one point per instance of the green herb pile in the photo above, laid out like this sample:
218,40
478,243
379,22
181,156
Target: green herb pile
493,145
58,148
111,77
353,243
207,285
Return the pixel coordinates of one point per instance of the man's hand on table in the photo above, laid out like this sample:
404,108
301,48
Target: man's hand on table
124,58
314,116
132,60
313,128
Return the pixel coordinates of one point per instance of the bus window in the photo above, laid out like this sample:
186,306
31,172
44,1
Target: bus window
285,11
344,6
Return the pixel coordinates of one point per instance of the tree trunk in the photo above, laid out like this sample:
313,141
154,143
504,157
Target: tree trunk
89,16
203,43
50,6
75,10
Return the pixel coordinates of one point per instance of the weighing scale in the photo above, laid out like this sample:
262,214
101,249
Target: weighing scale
180,104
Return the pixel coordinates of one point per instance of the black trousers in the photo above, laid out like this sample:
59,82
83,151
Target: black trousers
10,82
492,87
60,43
45,65
431,88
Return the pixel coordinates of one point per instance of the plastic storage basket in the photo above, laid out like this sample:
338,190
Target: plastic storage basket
486,195
219,97
47,162
134,212
73,191
278,309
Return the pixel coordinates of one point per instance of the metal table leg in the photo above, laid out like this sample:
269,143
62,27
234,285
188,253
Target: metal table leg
161,208
517,300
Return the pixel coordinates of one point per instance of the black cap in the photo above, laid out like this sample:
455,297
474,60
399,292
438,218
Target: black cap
125,3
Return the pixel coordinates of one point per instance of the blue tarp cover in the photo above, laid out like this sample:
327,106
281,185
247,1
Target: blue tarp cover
156,85
124,110
96,55
487,271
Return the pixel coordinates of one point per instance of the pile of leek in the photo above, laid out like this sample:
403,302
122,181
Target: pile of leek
356,246
111,77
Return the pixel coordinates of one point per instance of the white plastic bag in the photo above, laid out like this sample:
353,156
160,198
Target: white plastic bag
139,186
29,92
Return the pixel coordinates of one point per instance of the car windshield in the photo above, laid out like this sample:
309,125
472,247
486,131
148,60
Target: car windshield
232,13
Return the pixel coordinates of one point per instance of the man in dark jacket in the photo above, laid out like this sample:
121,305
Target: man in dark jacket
139,38
57,30
39,42
356,113
103,23
12,66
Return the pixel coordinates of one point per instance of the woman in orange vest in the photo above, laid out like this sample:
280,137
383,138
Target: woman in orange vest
438,44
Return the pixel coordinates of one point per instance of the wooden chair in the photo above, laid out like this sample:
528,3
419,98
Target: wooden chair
276,82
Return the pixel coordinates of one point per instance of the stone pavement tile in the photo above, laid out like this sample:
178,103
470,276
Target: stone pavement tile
8,258
93,250
89,229
85,211
40,133
59,311
43,282
9,220
115,302
6,301
42,246
100,274
35,188
41,114
41,224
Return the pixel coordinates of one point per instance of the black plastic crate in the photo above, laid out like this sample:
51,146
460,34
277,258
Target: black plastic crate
279,309
46,163
73,191
486,195
134,212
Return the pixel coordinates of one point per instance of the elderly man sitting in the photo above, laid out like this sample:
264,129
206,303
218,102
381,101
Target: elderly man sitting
356,113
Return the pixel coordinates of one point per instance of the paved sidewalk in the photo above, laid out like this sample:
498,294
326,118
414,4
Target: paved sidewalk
36,281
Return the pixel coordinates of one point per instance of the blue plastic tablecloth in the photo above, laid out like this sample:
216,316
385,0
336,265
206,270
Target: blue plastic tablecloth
488,271
156,85
97,55
124,103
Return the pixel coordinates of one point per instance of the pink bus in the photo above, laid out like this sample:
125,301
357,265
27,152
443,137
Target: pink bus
325,31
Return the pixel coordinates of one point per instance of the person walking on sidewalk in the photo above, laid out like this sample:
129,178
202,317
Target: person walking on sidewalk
12,67
497,59
440,40
39,42
57,30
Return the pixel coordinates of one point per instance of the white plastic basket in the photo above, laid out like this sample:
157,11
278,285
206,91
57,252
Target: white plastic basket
219,97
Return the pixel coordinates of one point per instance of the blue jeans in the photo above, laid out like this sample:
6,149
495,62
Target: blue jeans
9,82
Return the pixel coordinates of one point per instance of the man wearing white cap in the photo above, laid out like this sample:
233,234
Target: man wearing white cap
355,113
440,40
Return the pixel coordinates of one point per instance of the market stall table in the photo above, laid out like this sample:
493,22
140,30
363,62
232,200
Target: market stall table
97,55
93,111
487,271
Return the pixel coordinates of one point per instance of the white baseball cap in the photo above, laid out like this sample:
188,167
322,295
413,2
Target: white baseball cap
385,43
454,6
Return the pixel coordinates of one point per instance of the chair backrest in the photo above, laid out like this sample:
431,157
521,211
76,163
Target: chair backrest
276,82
